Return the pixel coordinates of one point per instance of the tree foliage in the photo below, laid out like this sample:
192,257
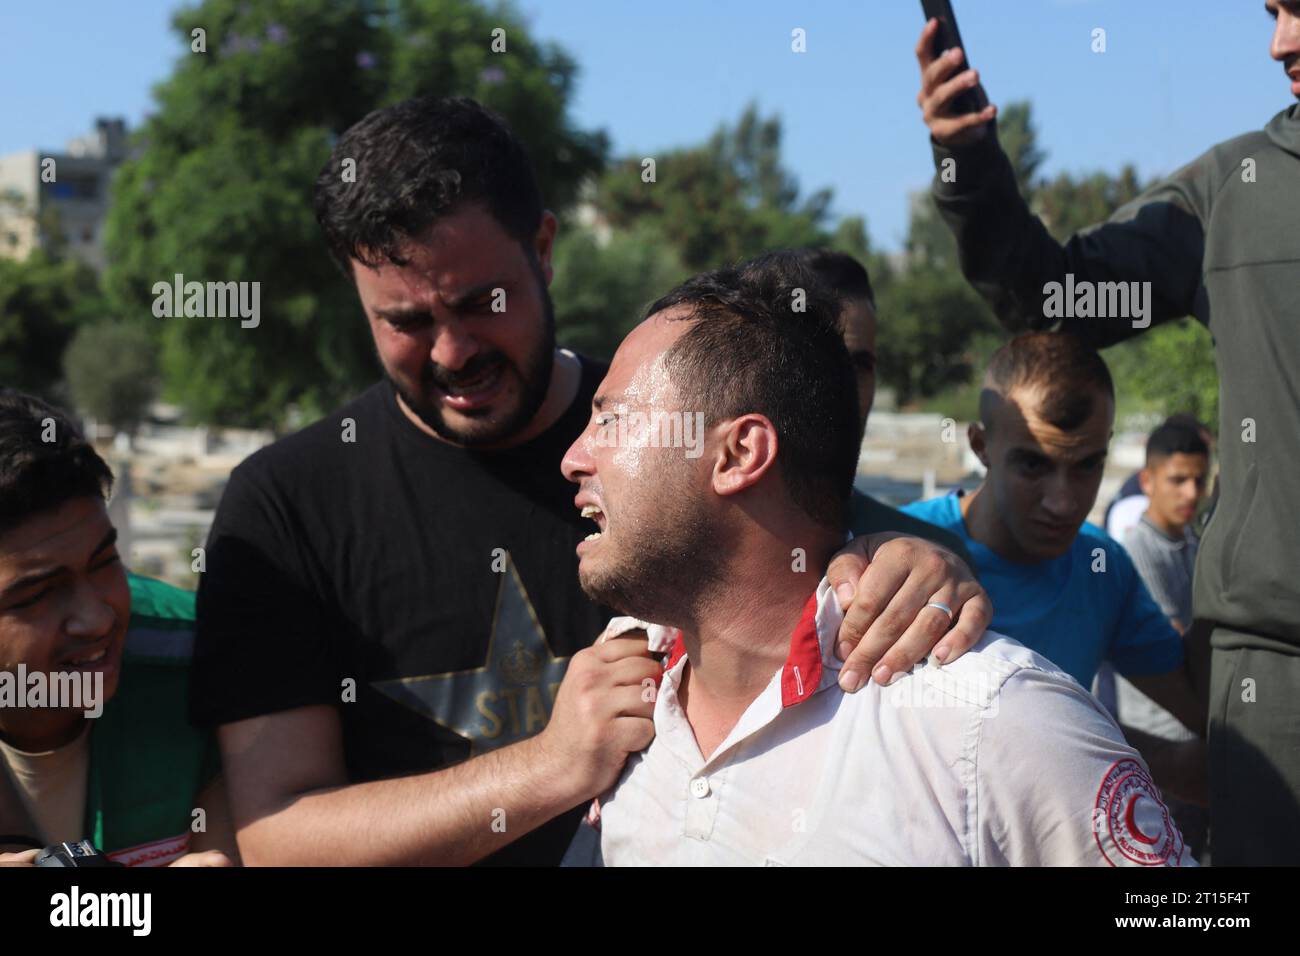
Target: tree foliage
43,300
111,370
601,290
722,201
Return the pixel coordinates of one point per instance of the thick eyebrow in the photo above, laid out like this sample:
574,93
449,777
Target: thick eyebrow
38,577
473,293
455,303
1033,454
392,315
598,402
1027,454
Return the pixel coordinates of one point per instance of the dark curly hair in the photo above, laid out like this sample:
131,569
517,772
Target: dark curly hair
416,161
44,460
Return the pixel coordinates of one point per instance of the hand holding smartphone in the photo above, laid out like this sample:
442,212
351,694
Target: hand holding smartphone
954,111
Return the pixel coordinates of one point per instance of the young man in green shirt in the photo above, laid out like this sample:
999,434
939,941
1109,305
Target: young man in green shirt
94,667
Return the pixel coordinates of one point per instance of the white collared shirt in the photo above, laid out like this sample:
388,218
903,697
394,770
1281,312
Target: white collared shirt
997,758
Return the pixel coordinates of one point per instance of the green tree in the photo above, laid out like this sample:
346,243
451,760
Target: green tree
221,187
1168,369
601,290
929,319
1067,204
43,300
720,202
111,370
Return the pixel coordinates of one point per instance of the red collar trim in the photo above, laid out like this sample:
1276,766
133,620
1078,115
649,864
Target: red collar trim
802,673
677,653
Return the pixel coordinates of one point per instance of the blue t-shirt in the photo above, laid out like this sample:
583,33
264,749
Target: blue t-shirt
1063,609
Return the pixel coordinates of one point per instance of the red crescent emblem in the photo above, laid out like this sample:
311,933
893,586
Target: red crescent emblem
1130,818
1120,839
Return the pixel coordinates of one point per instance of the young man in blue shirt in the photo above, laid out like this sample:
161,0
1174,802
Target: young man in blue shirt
1059,585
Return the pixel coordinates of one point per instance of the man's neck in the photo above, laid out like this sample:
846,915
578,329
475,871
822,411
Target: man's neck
742,638
566,378
1168,528
46,742
983,524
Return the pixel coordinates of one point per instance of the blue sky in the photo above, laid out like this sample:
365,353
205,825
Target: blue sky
1176,77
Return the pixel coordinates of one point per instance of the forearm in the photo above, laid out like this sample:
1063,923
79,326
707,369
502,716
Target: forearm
1005,251
450,817
1008,255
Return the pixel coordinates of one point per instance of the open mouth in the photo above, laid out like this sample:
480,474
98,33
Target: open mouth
598,516
475,390
90,659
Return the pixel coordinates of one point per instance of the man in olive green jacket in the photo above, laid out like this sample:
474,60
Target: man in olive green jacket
1218,240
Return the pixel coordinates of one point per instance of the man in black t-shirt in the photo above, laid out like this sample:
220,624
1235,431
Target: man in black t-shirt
391,634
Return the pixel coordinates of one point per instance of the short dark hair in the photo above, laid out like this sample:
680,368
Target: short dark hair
750,351
44,460
415,162
846,277
1069,373
1179,437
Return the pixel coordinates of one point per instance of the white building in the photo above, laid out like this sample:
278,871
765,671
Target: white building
42,190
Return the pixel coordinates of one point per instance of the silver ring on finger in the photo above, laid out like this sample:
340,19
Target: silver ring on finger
942,607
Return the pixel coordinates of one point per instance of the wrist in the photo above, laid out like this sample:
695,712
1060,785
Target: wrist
550,776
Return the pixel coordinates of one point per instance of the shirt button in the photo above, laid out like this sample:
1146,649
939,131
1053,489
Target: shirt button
699,787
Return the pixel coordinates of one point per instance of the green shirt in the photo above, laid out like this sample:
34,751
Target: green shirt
147,764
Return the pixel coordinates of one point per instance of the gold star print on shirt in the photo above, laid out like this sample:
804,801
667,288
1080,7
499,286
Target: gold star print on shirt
507,699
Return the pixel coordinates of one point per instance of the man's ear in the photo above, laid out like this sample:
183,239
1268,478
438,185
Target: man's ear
977,442
544,243
747,450
1147,480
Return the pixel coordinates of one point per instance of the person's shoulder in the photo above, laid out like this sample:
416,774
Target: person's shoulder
1283,130
161,629
300,453
936,511
977,680
1090,537
870,516
1117,560
1230,152
1142,538
1221,163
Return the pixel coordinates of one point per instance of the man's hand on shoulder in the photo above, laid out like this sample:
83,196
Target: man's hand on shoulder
885,584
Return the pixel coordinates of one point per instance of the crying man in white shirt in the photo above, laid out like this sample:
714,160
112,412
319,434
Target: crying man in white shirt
759,757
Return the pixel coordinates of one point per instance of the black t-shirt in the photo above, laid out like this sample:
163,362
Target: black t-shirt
441,581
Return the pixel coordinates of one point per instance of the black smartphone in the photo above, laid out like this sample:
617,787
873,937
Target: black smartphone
80,854
947,37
